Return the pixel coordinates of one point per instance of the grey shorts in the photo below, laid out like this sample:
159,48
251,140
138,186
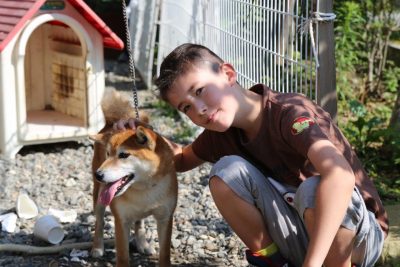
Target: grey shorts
284,217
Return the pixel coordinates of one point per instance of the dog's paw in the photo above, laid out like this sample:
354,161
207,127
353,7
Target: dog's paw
97,252
146,250
149,250
144,247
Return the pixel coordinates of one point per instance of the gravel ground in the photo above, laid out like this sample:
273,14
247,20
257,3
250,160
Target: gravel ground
58,176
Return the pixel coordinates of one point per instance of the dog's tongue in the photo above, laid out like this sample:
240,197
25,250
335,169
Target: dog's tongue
107,194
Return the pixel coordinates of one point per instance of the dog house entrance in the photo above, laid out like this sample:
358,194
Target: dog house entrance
55,78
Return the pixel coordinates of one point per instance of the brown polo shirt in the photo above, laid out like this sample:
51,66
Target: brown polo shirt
291,123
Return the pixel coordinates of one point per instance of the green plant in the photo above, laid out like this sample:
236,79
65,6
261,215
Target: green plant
391,78
348,35
348,44
185,134
165,109
367,131
186,131
363,30
363,130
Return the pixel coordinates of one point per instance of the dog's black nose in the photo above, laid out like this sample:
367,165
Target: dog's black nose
99,176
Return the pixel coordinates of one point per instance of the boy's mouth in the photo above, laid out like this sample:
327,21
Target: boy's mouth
113,189
211,117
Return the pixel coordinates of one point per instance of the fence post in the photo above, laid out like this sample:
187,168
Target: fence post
326,84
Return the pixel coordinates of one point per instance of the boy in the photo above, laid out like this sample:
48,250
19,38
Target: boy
335,218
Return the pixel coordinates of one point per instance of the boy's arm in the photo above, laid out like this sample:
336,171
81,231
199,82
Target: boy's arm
185,159
332,198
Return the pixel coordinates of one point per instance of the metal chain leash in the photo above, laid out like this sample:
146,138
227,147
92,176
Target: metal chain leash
131,63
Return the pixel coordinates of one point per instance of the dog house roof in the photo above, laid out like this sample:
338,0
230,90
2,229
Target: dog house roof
15,13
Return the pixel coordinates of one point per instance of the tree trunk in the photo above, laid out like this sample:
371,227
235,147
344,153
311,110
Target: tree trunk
382,63
395,119
370,78
391,146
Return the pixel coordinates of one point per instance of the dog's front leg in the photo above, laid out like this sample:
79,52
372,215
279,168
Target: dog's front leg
98,242
122,230
164,230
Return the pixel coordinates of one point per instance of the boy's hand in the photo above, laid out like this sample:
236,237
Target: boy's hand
122,124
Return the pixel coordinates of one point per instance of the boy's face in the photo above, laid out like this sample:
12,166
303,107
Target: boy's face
206,96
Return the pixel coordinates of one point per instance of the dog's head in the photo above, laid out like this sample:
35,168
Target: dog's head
132,157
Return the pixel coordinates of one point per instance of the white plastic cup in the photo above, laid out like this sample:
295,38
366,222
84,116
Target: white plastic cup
26,207
48,229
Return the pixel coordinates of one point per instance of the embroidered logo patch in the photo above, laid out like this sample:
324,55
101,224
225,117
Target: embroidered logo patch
300,124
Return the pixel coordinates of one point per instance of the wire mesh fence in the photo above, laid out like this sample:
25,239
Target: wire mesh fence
265,40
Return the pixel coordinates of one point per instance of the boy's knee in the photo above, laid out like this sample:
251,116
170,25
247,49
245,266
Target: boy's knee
231,162
229,171
235,171
235,174
305,196
217,186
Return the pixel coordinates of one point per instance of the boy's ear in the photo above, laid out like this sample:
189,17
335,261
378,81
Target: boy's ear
230,72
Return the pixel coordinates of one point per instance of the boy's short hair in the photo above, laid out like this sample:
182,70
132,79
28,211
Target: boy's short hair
180,61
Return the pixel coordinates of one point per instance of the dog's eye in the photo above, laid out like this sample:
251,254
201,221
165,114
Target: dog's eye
123,155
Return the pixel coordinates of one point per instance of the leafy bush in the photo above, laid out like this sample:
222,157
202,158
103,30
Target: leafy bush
348,46
363,131
367,85
165,109
187,130
367,132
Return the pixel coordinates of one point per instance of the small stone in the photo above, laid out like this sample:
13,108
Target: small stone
175,243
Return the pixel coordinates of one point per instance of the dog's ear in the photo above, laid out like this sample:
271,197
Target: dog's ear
100,137
145,136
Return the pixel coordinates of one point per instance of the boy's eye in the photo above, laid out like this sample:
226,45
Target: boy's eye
123,155
185,108
198,91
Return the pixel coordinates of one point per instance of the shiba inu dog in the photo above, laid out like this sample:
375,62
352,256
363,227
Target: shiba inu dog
133,173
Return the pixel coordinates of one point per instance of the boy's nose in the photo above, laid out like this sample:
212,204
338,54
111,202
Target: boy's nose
201,108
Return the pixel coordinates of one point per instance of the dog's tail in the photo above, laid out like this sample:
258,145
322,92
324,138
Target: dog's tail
115,106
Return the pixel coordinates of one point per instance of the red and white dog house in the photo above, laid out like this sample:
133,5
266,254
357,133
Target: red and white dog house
51,71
